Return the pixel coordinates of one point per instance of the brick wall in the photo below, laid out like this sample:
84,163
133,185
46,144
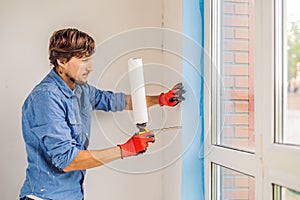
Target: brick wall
237,73
235,185
238,104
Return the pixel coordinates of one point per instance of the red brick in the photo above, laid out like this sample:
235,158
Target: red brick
236,95
229,8
242,33
251,95
241,9
236,119
228,82
229,107
228,57
241,132
240,143
242,82
228,131
241,58
241,106
236,70
239,21
236,45
229,33
251,188
228,182
236,194
242,181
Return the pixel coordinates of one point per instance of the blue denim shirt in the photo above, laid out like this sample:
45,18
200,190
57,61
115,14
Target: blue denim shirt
56,125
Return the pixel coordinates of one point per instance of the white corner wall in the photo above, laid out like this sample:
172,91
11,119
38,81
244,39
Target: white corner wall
25,31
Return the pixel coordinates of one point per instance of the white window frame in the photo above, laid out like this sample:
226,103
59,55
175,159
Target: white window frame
271,163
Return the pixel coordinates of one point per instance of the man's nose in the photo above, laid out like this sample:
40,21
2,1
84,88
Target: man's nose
90,67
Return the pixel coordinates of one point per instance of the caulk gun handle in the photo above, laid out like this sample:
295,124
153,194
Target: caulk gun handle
141,132
146,130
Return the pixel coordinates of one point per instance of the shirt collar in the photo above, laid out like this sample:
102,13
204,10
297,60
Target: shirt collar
61,84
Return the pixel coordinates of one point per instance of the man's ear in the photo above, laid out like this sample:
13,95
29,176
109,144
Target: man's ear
60,62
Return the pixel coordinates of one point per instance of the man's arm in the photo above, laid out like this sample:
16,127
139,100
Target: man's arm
86,159
170,98
150,101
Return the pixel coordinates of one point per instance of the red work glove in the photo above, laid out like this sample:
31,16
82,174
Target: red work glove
136,144
173,97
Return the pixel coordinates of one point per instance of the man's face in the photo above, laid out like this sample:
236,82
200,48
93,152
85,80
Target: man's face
78,69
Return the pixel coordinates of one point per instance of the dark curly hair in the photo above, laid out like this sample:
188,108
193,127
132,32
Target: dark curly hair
67,43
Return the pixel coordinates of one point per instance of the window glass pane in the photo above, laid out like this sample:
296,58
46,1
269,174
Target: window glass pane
291,73
282,193
235,65
230,184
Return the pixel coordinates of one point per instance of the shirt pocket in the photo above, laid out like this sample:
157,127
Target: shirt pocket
75,126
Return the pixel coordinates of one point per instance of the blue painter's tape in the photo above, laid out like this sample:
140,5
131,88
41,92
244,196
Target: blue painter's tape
192,113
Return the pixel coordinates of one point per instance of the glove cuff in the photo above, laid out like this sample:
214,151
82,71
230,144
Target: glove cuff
121,152
124,152
161,99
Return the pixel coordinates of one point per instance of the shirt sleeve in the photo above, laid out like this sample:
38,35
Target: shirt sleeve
48,123
107,100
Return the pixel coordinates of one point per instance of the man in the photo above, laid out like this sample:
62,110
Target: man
56,119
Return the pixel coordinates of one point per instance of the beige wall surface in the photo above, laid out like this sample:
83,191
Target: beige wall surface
25,30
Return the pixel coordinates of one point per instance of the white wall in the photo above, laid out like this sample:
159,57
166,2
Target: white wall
172,11
25,30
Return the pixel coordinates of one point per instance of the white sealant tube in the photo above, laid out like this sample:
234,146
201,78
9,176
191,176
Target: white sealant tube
137,86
